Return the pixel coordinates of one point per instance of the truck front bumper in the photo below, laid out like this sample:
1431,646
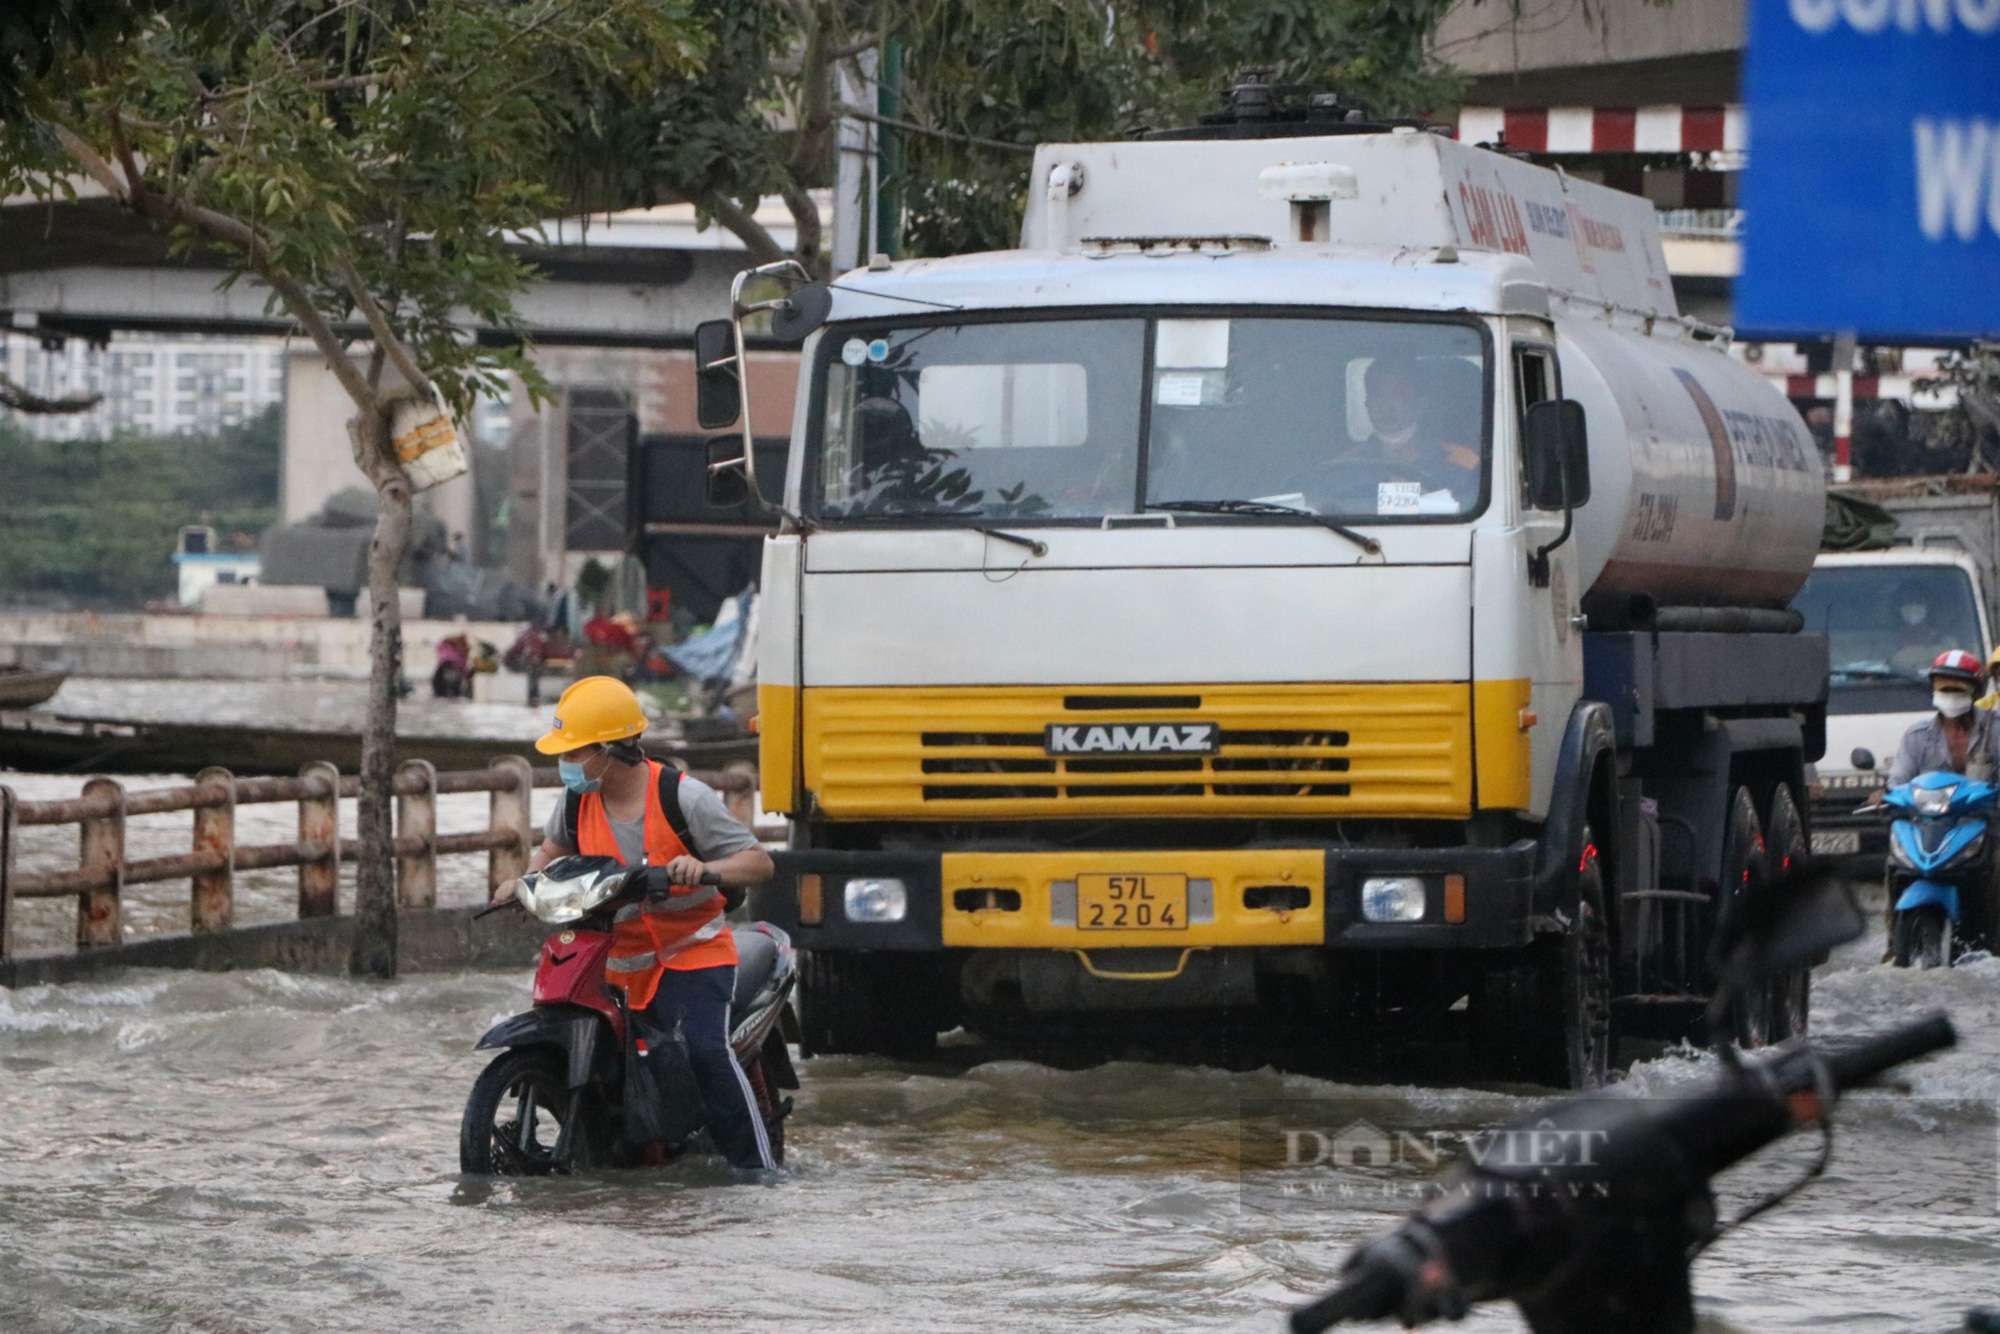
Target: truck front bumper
1475,898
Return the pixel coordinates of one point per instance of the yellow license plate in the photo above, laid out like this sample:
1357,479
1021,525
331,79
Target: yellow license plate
1131,902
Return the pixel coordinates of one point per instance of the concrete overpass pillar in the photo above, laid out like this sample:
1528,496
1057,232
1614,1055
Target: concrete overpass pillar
319,457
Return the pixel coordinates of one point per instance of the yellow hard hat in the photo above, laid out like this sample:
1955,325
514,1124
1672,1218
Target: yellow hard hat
1993,659
597,708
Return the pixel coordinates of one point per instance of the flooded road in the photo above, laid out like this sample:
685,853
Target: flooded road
234,1154
185,1153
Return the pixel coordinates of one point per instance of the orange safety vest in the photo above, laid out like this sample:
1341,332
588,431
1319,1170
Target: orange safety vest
685,931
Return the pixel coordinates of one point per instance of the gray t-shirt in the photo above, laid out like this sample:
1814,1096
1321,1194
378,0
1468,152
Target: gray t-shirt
1925,749
716,832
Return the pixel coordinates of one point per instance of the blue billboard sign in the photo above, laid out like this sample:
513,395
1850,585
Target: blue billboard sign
1872,195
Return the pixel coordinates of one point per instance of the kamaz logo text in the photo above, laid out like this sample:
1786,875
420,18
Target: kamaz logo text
1132,739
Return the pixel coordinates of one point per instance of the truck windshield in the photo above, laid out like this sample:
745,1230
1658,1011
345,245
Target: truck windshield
1056,419
1885,624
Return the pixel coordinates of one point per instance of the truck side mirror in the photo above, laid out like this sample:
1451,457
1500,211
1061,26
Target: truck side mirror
1555,453
718,392
728,488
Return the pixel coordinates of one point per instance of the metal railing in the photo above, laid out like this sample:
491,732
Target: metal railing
103,870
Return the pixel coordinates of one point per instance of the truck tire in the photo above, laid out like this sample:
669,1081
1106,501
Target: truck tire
1545,1017
857,1005
1786,850
1744,877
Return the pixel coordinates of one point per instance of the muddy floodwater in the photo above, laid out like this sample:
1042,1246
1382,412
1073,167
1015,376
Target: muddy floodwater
241,1153
207,1154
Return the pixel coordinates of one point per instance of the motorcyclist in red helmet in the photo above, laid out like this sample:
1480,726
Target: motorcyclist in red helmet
1956,736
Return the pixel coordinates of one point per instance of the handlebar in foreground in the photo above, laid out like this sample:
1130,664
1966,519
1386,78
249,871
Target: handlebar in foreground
1594,1225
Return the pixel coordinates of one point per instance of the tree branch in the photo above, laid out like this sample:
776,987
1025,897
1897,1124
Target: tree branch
764,249
915,128
378,323
234,232
805,220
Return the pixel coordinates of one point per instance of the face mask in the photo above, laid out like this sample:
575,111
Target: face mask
577,781
1913,613
1951,703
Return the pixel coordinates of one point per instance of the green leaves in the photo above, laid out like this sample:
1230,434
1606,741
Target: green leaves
95,519
399,141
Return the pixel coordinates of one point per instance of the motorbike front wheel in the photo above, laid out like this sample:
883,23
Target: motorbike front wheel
1922,938
516,1119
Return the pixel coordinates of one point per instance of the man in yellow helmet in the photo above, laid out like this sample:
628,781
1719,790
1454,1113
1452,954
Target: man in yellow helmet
675,959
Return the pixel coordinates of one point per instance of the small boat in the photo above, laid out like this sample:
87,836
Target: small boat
23,689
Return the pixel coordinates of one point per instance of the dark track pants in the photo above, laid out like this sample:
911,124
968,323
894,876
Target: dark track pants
698,1000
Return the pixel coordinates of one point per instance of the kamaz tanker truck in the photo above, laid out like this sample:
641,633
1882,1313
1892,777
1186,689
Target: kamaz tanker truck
1317,581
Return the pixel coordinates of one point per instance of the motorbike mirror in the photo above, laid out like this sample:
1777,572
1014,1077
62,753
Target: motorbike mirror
1862,758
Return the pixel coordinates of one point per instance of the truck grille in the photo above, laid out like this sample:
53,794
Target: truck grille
1282,749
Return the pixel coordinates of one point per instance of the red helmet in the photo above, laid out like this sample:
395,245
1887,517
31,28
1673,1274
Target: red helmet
1955,664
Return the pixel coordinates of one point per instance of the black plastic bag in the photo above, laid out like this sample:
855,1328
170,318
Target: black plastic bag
662,1100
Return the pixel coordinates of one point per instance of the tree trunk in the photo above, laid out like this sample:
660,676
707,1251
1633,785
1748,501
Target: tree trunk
375,879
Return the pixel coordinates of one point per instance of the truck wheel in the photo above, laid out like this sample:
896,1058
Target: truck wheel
1787,849
1547,1018
1922,938
856,1005
1744,855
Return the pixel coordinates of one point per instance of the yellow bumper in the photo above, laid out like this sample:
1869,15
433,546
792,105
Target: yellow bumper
1046,884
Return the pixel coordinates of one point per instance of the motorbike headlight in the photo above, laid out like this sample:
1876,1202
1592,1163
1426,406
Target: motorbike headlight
1899,854
558,900
1970,850
876,900
1934,800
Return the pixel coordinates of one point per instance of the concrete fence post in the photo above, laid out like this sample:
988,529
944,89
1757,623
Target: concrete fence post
416,817
8,804
212,902
100,923
319,822
511,808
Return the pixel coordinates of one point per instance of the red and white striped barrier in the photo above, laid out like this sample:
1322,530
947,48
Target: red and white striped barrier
1666,128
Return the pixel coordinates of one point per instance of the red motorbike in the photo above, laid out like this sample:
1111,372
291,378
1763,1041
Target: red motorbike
553,1100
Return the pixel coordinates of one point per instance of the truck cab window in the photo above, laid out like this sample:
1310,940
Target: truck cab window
1027,420
1350,418
1884,625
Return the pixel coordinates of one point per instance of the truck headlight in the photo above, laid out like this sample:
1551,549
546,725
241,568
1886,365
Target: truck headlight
883,900
1393,898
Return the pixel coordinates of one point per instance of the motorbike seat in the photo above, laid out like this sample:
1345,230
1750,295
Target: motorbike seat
756,961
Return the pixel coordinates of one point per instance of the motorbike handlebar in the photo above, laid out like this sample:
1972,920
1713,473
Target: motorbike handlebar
659,887
1489,1247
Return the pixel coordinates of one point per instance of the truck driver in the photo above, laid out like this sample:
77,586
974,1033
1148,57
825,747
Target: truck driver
1405,447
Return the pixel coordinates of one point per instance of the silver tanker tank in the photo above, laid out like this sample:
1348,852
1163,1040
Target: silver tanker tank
1706,487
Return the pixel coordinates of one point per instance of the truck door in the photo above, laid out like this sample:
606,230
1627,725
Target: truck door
1548,639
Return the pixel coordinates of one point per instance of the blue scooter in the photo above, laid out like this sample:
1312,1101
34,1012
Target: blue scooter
1939,865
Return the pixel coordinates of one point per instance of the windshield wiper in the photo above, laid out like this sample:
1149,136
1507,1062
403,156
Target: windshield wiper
1858,672
1034,545
1362,540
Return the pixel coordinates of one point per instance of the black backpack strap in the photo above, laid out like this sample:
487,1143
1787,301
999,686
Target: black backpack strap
573,816
670,802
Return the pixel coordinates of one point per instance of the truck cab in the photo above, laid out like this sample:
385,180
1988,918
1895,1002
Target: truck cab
1886,616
